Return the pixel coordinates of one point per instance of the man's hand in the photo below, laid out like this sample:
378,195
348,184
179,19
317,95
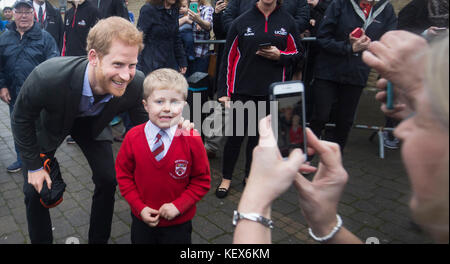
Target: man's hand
313,3
225,100
37,179
183,70
4,95
150,216
271,53
220,6
169,211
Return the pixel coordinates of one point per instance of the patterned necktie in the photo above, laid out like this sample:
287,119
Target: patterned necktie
40,15
158,147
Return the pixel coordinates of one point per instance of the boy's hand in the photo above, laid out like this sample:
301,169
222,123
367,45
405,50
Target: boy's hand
169,211
150,216
185,124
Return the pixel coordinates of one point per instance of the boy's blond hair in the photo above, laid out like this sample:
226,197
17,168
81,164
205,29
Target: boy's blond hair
165,79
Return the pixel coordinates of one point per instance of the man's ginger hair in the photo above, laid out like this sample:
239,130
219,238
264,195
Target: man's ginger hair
107,30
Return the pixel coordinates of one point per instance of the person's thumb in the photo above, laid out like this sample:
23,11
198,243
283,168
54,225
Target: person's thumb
295,161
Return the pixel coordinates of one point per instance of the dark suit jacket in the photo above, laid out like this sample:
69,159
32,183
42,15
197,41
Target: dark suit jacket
54,24
111,8
48,104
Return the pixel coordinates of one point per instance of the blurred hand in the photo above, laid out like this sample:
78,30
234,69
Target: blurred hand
185,124
220,6
313,3
150,216
434,32
359,44
37,179
4,95
194,16
169,211
399,58
400,111
183,70
225,100
270,175
271,53
319,198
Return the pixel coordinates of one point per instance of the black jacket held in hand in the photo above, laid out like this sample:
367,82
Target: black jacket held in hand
298,9
49,101
163,46
245,73
336,60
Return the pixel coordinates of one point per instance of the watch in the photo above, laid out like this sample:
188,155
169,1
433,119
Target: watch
252,217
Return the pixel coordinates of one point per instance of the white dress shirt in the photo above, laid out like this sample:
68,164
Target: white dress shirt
152,130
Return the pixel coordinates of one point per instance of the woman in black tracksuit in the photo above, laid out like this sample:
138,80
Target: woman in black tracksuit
340,74
248,70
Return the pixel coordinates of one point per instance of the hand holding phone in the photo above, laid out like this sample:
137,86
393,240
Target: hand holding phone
193,7
264,45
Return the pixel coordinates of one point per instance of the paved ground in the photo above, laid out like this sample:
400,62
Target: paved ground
375,202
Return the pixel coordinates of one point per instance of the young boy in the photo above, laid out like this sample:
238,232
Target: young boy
186,32
162,171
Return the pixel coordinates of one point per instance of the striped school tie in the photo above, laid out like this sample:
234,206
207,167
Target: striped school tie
158,147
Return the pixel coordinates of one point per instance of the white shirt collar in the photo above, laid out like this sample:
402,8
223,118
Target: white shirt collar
36,7
154,130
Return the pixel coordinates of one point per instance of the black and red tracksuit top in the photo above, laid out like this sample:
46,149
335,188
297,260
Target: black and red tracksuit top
245,73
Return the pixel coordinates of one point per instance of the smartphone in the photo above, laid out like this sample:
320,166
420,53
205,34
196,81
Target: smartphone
288,116
193,7
357,32
390,96
264,45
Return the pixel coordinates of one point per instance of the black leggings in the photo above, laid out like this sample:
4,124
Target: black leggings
250,121
335,103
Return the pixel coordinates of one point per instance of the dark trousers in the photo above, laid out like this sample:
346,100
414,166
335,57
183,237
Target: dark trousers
334,102
141,233
99,155
233,143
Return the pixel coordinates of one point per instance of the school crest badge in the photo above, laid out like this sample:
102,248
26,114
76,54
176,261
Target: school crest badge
180,169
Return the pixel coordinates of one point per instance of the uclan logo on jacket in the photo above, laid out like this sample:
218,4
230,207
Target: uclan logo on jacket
281,32
82,23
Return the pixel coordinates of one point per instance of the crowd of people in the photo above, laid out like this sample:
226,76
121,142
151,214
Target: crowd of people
102,66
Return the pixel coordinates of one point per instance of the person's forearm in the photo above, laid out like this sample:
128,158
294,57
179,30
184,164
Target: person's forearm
205,25
250,232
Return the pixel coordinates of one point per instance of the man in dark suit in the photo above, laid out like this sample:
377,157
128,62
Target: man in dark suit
49,19
79,96
109,8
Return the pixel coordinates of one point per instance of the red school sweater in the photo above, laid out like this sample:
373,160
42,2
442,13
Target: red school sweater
182,177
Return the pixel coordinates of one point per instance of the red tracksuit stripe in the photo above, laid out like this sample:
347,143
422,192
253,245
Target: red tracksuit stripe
291,48
233,59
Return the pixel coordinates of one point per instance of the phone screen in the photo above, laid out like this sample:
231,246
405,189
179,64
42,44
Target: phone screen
193,7
288,116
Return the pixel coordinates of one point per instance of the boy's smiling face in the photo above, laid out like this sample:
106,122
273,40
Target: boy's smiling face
164,107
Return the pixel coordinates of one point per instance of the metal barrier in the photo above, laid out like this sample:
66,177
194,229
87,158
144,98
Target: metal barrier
378,130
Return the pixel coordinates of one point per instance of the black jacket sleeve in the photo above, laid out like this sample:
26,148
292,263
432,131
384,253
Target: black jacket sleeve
302,15
218,26
230,13
326,32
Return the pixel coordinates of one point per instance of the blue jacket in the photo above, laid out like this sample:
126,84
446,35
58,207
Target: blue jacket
19,56
336,61
163,46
